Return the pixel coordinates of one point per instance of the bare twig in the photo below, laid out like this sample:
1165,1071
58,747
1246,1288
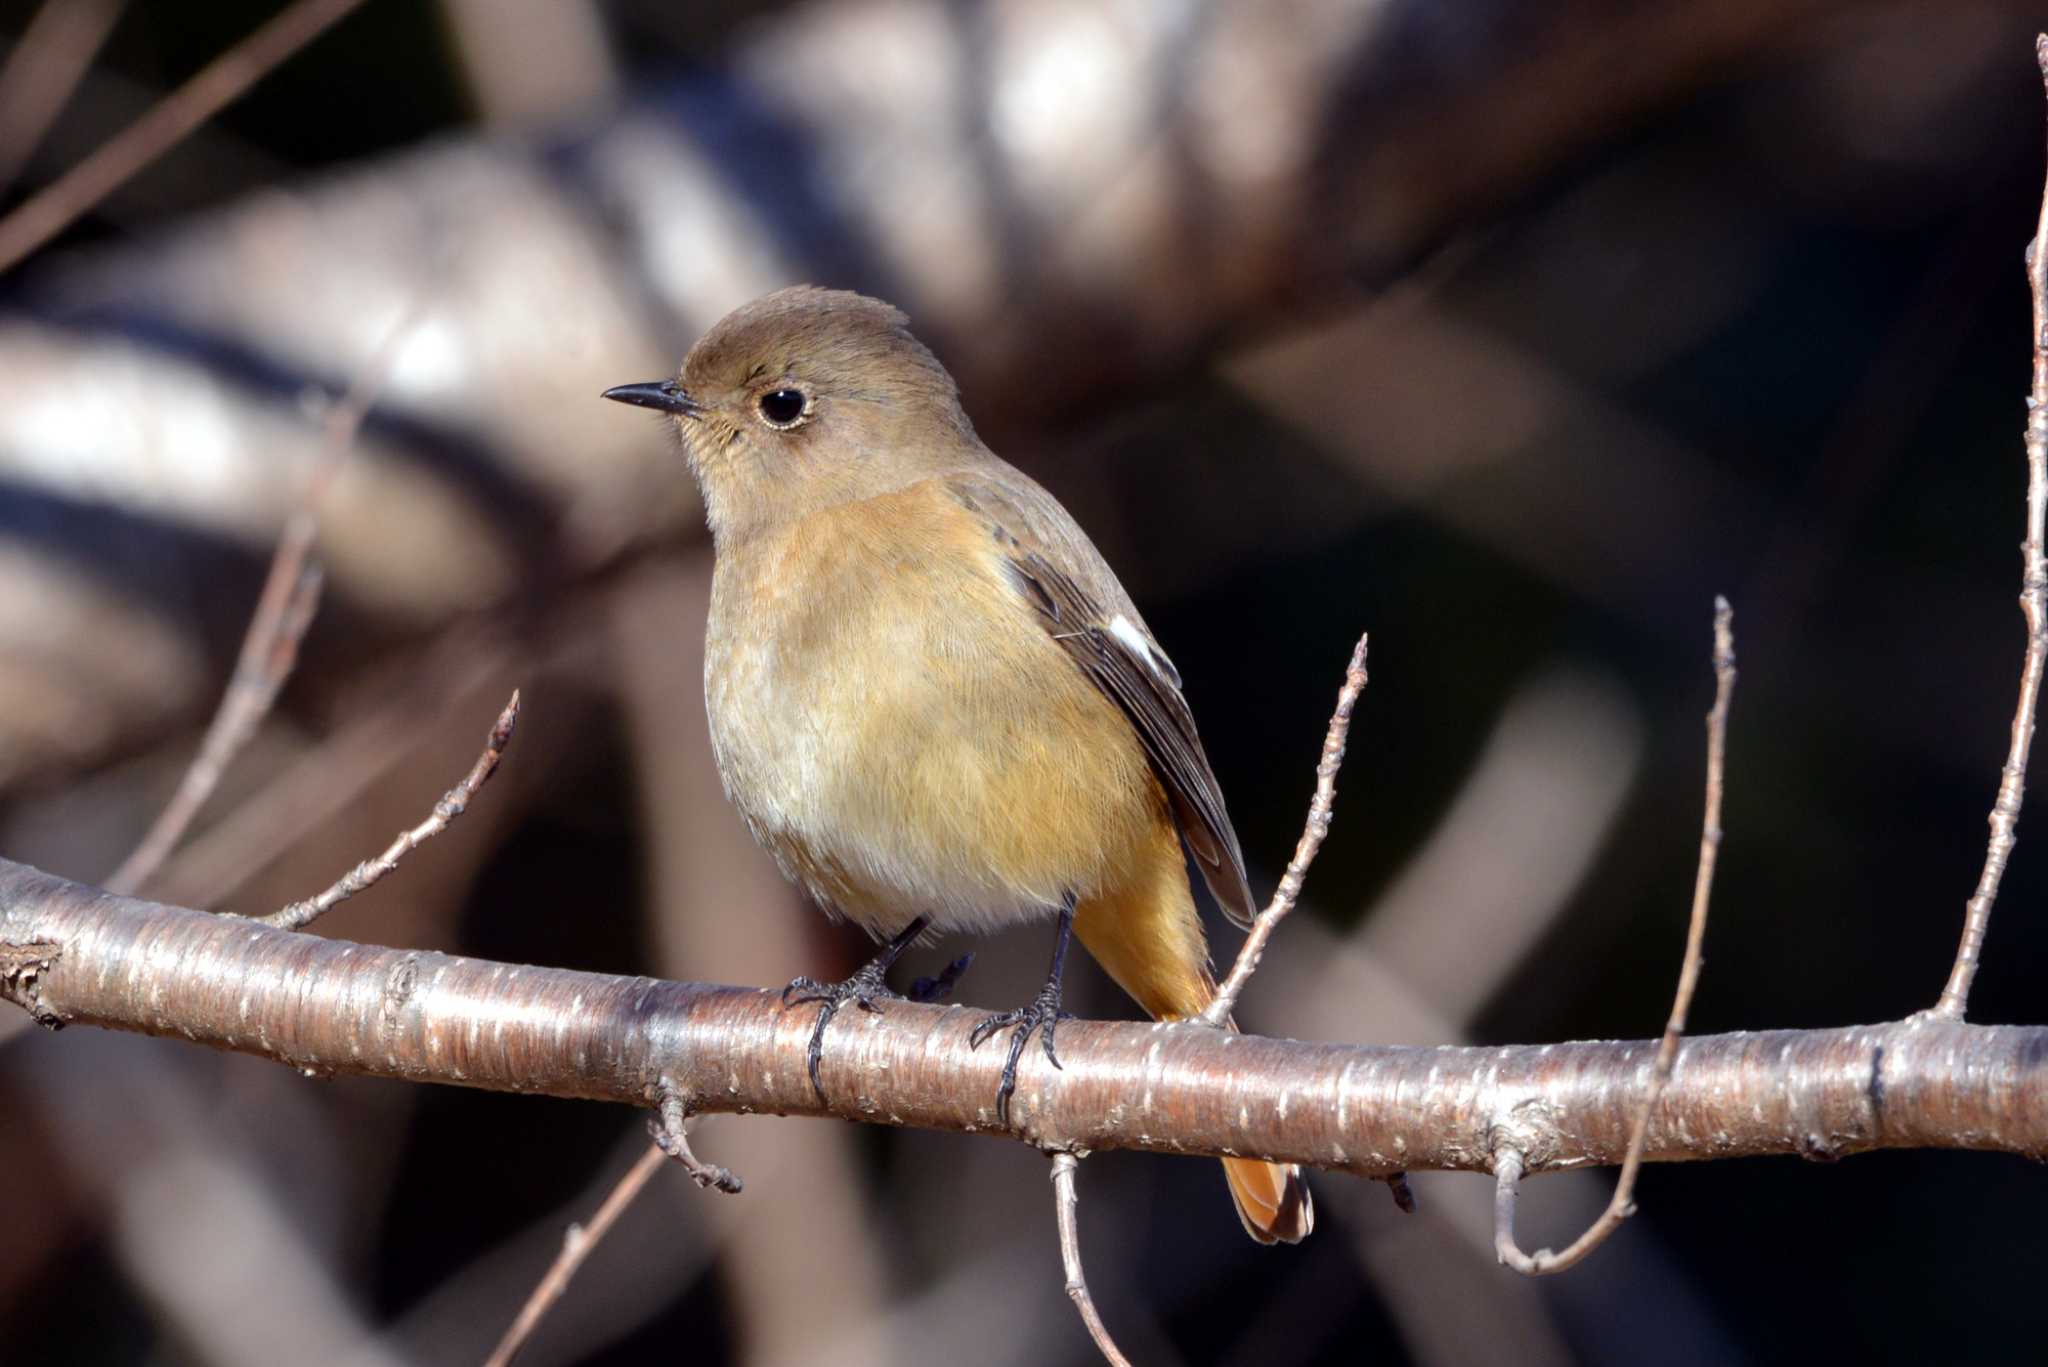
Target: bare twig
218,83
411,705
670,1128
42,71
1066,1204
284,609
2012,779
1316,828
1508,1156
453,803
577,1242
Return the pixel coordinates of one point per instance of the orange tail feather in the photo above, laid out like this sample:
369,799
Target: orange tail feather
1272,1200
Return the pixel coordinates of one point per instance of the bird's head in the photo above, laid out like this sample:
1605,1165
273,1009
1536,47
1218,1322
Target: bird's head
804,399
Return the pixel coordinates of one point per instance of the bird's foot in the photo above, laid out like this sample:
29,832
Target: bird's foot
941,987
1042,1014
867,989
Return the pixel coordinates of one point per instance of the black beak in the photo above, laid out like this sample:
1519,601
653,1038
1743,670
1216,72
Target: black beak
665,395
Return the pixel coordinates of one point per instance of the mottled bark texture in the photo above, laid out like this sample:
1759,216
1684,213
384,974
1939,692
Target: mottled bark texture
80,956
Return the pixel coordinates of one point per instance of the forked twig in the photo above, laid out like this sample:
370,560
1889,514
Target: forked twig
1066,1206
1509,1159
1313,832
577,1242
453,803
218,83
2012,779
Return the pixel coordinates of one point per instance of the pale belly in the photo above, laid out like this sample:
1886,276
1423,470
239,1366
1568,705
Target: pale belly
929,756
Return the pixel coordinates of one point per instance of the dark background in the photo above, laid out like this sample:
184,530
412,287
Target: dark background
1762,332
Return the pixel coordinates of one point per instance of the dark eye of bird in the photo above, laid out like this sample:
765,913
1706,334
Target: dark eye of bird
782,406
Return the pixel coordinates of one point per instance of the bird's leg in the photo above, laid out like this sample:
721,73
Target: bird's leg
867,986
1041,1014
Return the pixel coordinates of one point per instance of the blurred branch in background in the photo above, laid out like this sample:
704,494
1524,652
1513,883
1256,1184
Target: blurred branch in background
53,208
270,646
599,256
42,70
527,60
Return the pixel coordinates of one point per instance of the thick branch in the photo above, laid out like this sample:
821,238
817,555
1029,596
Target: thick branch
333,1007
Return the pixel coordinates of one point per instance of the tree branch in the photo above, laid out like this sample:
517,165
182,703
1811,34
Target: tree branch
1066,1207
453,803
576,1246
1508,1162
327,1006
217,84
2012,779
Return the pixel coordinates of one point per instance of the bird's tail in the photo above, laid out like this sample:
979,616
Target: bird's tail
1272,1200
1146,935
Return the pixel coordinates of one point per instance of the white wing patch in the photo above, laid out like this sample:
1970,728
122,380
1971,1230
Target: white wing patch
1140,645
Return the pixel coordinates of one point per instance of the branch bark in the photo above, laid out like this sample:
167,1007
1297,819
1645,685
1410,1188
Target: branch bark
327,1006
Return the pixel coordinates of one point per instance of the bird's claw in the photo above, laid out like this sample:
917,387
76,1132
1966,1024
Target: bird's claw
1043,1015
811,989
865,989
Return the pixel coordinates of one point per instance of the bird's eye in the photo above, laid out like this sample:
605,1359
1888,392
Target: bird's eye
782,407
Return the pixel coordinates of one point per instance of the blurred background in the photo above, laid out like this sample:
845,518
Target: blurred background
1509,333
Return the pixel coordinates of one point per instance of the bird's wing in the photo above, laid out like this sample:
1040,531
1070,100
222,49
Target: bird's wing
1081,604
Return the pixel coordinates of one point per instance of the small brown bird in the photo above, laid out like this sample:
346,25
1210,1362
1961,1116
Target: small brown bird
929,696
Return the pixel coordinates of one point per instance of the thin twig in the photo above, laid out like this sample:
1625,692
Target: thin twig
454,803
1066,1206
1317,827
670,1129
270,648
284,609
2012,780
412,704
1508,1157
45,66
219,82
577,1242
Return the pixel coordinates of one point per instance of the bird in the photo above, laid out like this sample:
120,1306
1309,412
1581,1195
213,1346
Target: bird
929,696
